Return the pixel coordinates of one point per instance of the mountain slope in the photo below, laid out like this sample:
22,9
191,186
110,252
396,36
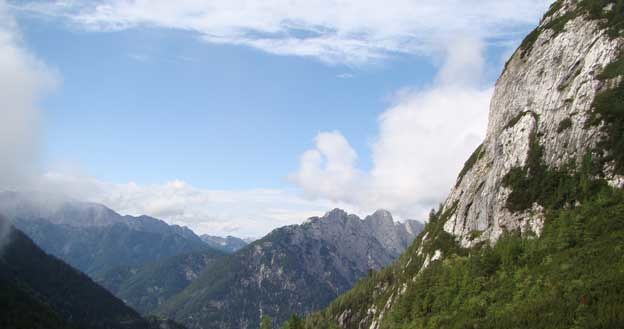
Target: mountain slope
532,234
94,238
295,269
42,291
149,286
20,310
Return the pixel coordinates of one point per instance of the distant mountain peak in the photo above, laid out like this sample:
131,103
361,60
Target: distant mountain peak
383,213
380,217
335,213
294,269
93,237
229,244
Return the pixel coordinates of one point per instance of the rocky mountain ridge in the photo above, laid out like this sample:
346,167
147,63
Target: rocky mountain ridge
94,238
294,269
61,211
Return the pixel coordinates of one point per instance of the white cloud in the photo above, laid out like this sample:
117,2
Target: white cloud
346,31
245,213
328,170
23,79
423,142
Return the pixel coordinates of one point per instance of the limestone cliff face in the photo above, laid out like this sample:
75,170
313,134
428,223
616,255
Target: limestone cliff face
543,118
546,93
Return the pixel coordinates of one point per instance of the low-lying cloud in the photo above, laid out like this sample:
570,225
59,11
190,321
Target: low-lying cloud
23,80
244,213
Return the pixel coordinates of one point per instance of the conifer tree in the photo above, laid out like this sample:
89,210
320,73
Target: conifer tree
266,322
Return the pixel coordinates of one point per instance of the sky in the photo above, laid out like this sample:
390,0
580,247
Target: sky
237,117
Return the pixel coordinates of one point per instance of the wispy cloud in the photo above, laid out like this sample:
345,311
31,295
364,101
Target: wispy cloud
345,76
143,58
351,31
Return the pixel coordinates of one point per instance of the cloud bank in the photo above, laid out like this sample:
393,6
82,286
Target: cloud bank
244,213
23,80
423,142
346,31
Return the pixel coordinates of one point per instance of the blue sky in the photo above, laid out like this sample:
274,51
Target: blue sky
300,108
149,105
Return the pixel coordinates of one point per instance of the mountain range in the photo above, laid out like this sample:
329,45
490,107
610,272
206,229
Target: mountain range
294,269
41,291
167,270
94,238
531,234
142,260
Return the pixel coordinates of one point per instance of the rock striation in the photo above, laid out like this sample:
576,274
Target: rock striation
544,96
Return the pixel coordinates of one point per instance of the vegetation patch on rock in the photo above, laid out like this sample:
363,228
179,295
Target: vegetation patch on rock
476,155
564,125
610,13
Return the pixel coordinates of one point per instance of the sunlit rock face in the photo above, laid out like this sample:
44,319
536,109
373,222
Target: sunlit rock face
545,92
544,124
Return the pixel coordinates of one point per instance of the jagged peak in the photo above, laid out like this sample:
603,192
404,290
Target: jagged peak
382,213
336,212
381,217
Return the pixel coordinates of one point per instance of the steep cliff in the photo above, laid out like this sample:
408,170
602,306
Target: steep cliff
532,233
544,99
